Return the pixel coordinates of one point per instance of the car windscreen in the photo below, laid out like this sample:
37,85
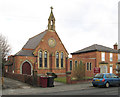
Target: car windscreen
99,76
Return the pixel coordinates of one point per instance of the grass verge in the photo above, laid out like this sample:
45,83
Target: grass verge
60,79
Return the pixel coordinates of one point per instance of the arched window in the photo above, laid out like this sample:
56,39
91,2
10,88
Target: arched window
62,59
40,59
45,58
57,59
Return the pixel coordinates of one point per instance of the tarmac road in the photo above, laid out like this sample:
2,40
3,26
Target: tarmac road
88,91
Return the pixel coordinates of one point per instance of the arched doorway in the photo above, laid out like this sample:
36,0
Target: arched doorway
26,68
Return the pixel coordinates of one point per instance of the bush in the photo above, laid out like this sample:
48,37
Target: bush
79,72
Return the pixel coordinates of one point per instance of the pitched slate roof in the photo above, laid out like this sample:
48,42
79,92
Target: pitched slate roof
25,53
33,42
96,47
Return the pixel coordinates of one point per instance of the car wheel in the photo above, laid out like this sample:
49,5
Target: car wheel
107,85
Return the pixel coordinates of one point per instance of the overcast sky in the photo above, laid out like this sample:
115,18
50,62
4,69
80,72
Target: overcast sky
79,23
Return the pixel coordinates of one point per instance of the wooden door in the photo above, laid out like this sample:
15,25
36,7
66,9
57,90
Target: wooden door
26,68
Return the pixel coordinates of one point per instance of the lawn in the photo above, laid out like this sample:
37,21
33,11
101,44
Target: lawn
60,79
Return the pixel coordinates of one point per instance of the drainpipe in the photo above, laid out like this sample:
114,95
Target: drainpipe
66,64
35,62
95,63
35,74
14,63
51,62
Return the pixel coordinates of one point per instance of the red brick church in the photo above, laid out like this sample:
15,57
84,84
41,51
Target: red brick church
43,53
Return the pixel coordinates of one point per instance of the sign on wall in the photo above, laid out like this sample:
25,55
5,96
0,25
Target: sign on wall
96,70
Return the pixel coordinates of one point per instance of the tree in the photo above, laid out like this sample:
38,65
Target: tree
79,71
4,50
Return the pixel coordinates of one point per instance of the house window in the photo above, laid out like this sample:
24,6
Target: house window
116,68
57,59
111,57
103,56
87,66
45,58
90,66
118,57
70,65
40,59
62,59
75,64
111,68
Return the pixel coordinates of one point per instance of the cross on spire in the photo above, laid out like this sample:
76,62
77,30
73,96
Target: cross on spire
51,8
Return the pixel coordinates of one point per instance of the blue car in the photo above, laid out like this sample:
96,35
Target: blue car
105,79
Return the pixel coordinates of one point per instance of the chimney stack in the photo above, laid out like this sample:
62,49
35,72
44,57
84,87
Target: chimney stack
115,46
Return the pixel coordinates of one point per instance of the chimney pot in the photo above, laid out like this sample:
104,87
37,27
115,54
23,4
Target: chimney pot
115,46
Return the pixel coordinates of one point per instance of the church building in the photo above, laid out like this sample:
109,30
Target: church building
43,53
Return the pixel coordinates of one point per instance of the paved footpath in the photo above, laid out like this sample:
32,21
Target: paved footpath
29,90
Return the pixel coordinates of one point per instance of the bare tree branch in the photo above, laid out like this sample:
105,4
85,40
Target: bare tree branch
5,49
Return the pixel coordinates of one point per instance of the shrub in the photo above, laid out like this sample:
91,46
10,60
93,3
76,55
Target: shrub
79,71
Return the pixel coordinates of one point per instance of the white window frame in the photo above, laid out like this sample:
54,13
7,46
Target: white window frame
111,57
116,68
103,56
111,65
118,57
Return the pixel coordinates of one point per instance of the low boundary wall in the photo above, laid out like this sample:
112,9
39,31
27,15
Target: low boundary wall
21,77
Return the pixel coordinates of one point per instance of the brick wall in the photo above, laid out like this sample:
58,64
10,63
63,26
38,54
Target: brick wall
70,81
20,77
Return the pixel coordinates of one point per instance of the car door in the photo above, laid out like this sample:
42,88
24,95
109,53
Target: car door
109,79
115,79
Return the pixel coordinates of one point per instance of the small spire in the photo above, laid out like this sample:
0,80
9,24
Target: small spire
51,21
